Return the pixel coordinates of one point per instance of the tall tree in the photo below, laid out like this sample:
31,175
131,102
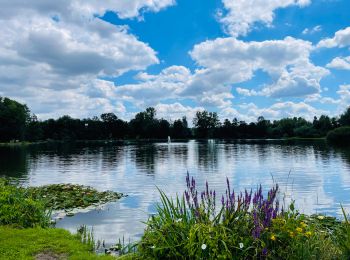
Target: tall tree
205,123
13,119
344,119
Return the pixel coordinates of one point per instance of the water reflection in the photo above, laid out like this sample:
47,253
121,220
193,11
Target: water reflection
315,175
14,162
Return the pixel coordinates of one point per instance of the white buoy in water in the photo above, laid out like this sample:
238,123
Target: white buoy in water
169,140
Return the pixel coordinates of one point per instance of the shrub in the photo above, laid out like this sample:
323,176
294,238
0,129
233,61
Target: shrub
18,208
244,226
339,136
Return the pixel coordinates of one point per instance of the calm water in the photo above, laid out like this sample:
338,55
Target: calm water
319,178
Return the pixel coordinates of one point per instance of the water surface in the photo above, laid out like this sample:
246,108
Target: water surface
316,176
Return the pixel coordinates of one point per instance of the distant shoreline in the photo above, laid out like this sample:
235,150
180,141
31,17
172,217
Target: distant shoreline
130,141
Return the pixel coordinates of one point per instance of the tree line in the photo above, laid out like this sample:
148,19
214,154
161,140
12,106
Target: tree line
18,123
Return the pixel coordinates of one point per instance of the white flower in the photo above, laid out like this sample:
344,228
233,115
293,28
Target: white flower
153,247
204,246
241,245
320,217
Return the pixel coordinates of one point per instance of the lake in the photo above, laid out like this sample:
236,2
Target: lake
313,174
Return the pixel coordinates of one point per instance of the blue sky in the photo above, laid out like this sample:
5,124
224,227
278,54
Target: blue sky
240,58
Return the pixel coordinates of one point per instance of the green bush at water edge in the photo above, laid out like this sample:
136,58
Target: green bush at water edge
339,136
18,208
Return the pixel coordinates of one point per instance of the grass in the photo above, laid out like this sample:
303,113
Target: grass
18,208
27,243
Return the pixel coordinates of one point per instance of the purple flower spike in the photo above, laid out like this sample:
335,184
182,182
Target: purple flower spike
264,251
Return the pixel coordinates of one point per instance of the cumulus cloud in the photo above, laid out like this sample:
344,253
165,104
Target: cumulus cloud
176,110
317,98
224,62
154,88
341,39
300,80
282,110
87,8
176,82
230,61
87,100
240,16
344,97
54,47
341,63
247,92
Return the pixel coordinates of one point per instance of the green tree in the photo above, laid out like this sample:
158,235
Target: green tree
180,128
13,119
344,119
205,123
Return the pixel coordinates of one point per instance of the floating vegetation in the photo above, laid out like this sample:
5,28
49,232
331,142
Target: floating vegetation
71,196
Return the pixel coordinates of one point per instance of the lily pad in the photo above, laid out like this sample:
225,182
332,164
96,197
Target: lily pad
70,196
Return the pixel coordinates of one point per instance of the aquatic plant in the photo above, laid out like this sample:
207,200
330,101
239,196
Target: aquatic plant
244,225
70,196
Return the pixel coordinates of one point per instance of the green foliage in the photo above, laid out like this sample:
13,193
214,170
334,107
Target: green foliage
69,196
339,136
343,236
13,119
205,123
27,243
181,230
344,119
297,236
18,208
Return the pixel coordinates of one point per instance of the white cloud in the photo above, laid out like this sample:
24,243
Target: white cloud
341,39
220,100
224,62
154,88
341,63
344,97
176,110
300,80
228,61
313,30
317,98
247,92
241,15
282,110
60,49
86,101
87,8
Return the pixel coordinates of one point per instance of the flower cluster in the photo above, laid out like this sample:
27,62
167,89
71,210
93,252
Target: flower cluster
264,210
203,208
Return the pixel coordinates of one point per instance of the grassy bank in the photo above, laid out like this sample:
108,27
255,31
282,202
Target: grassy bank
38,243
